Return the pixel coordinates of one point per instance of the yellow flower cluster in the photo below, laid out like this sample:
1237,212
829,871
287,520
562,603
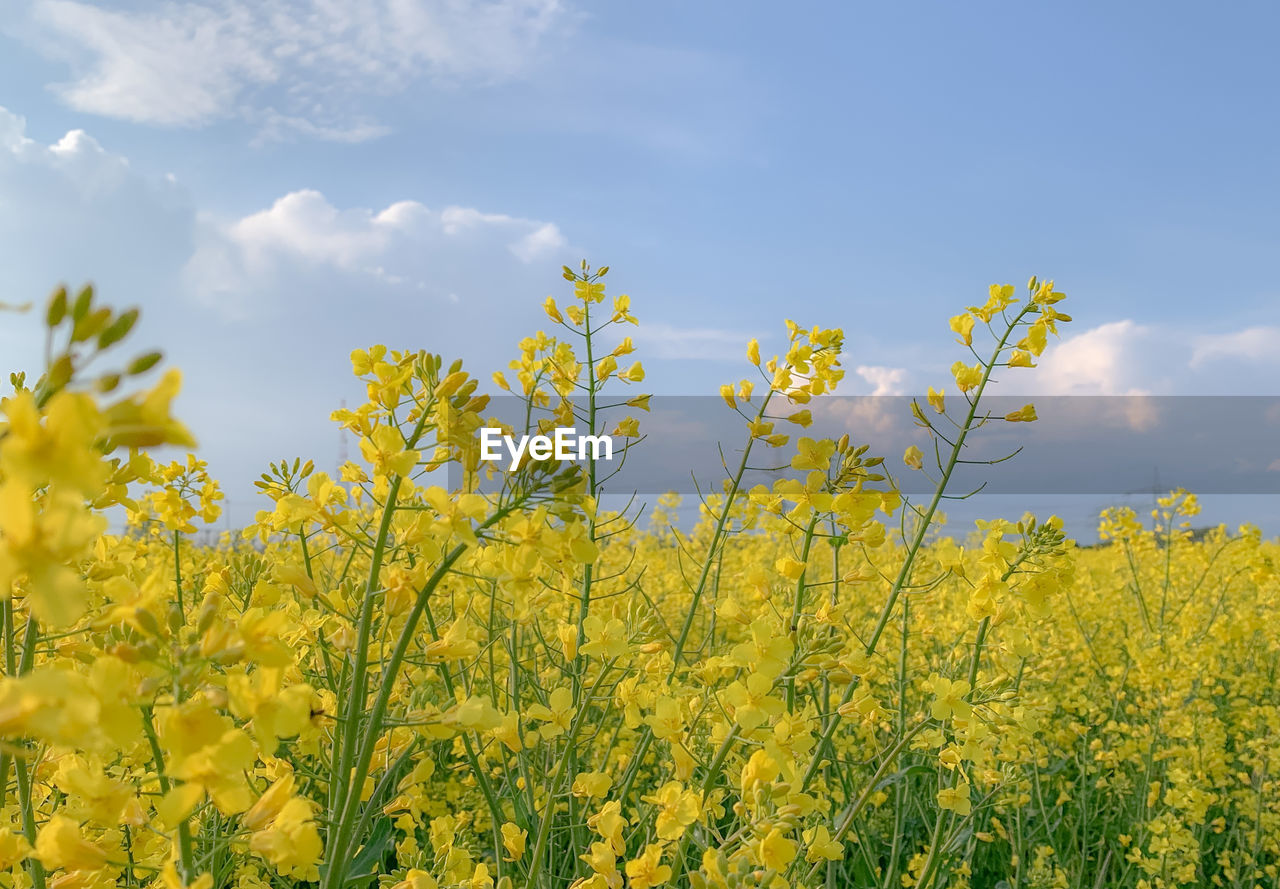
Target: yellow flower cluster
388,681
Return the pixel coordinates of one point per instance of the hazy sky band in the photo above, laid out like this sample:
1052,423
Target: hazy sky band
1116,445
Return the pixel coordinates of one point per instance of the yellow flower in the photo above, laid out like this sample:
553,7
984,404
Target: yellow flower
475,713
956,799
820,846
603,859
559,715
567,633
176,805
60,844
609,823
170,879
591,784
605,367
628,427
776,851
513,841
605,638
91,794
667,720
417,879
13,848
760,769
677,809
815,455
277,712
1036,338
268,806
789,568
292,842
949,698
913,458
647,871
145,420
54,446
204,750
454,645
633,374
385,449
508,732
967,377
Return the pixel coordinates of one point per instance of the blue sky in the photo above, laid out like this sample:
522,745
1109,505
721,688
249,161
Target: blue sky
277,183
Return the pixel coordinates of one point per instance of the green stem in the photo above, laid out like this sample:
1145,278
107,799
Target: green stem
186,865
954,458
350,729
25,803
10,658
716,538
548,816
868,790
357,765
646,736
797,605
713,773
177,573
34,868
922,529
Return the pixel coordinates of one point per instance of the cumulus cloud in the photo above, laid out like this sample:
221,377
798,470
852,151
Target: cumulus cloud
1130,362
1110,359
291,66
543,240
1127,358
71,209
863,417
884,380
1255,344
261,310
405,245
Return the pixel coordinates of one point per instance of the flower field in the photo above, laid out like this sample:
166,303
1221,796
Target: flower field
388,682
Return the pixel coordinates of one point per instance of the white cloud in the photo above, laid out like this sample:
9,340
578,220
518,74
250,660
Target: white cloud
1128,358
70,209
276,127
76,156
284,293
667,341
862,416
405,245
1257,344
884,380
538,243
291,66
1104,360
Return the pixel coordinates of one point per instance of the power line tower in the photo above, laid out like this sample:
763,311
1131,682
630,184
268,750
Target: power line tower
1155,490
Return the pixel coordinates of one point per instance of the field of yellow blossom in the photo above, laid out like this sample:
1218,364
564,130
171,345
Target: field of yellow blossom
385,682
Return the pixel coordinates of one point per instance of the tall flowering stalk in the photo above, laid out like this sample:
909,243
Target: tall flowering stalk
421,672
